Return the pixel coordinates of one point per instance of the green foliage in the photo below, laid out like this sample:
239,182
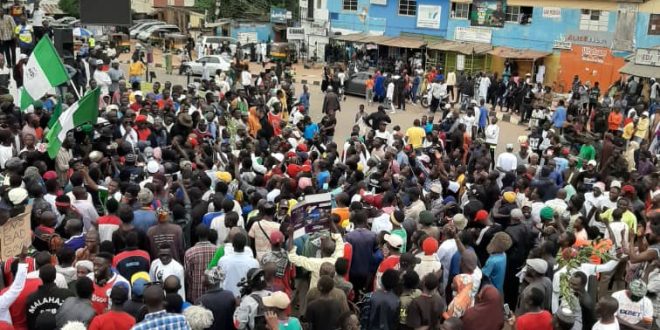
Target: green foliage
70,7
572,258
258,10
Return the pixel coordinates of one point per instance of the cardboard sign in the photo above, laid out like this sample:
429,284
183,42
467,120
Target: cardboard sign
15,233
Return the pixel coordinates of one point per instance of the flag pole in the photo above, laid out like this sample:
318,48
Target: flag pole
74,88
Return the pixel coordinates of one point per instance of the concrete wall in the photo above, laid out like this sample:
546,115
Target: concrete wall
264,31
642,39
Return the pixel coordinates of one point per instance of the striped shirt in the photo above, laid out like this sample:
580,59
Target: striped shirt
7,27
163,321
196,260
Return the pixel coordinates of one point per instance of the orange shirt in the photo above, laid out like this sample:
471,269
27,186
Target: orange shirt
343,214
614,121
369,84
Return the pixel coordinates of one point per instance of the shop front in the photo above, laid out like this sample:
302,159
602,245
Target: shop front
519,61
456,56
588,55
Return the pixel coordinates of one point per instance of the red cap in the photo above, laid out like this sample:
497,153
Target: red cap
481,215
430,246
291,154
302,148
628,189
50,175
141,119
293,170
565,151
193,142
276,237
306,168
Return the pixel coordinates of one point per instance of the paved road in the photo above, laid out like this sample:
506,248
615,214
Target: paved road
509,132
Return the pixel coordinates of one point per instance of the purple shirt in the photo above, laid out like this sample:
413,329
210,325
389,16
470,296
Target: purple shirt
363,242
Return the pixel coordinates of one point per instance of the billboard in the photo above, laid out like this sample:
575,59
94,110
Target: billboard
488,13
97,12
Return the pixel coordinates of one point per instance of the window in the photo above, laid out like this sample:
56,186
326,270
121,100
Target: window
519,14
654,25
408,7
594,20
460,10
350,5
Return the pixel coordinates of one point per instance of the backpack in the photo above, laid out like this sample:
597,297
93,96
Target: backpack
260,318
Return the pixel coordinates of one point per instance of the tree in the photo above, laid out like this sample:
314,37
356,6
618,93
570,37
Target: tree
70,7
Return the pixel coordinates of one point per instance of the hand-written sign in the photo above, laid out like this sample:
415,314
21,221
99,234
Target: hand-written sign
15,233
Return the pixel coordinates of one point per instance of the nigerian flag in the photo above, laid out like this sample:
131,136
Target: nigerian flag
85,111
43,71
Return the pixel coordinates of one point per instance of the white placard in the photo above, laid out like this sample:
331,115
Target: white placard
378,2
460,62
295,33
246,37
645,56
473,34
551,12
428,17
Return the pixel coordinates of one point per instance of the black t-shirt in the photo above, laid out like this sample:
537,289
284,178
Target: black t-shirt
222,304
47,299
323,314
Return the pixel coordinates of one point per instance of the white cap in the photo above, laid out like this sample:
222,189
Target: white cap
152,167
99,62
615,184
394,240
137,93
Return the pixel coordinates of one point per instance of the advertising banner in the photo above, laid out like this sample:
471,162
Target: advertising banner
428,17
488,13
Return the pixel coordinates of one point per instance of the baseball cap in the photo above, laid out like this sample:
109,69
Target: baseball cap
600,186
537,264
436,188
394,240
481,216
277,299
592,162
276,237
152,166
460,221
145,196
430,246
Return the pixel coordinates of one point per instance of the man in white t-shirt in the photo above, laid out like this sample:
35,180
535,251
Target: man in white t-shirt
507,161
635,309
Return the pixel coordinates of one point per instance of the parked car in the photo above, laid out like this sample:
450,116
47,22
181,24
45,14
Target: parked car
214,62
156,30
65,22
144,26
356,83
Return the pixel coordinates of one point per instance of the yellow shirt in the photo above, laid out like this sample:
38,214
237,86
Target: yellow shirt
628,131
627,217
136,69
642,128
415,136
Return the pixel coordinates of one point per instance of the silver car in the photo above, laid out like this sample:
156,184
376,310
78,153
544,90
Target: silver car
213,62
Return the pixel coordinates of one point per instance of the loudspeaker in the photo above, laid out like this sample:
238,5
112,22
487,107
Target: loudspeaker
63,40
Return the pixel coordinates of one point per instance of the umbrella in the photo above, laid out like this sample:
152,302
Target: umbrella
82,33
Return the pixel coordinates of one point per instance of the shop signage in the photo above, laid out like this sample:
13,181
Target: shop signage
473,34
561,43
551,12
379,2
645,56
277,15
247,37
318,29
460,62
295,33
594,54
428,17
590,38
487,13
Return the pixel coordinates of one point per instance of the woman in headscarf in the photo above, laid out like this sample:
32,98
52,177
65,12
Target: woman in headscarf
487,313
462,286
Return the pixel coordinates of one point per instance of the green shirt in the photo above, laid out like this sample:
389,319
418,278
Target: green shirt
587,153
291,324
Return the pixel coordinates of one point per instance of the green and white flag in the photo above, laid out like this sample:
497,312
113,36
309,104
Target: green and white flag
85,111
43,71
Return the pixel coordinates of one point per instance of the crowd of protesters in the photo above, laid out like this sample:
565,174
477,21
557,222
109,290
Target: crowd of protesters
173,211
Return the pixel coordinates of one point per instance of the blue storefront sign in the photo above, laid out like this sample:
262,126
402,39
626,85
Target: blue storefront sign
277,15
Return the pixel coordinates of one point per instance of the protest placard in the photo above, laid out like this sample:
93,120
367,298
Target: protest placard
312,214
15,233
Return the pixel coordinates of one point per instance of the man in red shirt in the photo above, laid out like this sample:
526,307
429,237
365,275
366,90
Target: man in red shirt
391,253
104,281
115,318
536,318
